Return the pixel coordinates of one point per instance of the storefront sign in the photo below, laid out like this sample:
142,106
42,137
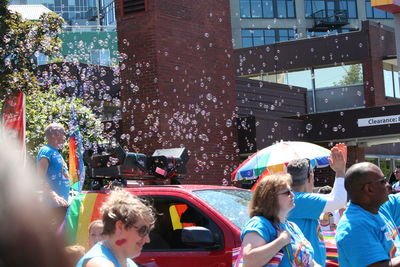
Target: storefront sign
374,121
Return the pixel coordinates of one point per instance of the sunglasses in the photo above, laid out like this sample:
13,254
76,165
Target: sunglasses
287,192
310,169
383,180
142,230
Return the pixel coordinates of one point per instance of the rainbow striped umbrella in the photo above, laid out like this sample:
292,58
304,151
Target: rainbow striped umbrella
275,157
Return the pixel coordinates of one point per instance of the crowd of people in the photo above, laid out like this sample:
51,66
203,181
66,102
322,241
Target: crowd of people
284,228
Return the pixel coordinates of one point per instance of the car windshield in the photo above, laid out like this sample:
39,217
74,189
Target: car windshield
231,203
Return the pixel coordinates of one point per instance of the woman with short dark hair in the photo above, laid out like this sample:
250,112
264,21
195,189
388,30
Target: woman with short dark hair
268,238
127,223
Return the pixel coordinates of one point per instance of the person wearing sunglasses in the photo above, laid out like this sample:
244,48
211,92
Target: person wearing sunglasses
309,205
268,238
394,181
127,223
367,234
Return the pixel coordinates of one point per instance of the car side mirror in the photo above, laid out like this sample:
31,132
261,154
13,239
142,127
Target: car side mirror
197,236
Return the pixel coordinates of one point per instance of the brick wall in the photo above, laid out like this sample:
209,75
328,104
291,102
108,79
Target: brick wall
178,83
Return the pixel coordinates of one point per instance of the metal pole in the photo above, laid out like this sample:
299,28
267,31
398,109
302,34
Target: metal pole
314,93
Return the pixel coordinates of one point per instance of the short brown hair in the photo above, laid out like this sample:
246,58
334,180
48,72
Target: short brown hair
265,199
125,207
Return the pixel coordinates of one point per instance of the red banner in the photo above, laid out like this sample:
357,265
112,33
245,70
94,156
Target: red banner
13,117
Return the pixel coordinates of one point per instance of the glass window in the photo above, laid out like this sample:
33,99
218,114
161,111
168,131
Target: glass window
336,76
291,9
308,8
375,13
391,78
368,9
396,82
269,36
267,8
232,204
313,6
257,37
256,9
100,57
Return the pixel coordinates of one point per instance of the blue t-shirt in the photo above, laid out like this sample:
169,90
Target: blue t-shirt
298,253
306,212
392,208
58,182
101,251
396,186
364,238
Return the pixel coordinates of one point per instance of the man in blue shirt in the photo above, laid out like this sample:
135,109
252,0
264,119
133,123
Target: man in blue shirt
366,235
309,206
52,166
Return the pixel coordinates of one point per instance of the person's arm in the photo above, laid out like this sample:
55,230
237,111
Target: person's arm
315,264
337,199
256,252
99,262
394,262
43,166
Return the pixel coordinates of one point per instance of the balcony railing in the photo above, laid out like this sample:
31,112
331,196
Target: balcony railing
326,19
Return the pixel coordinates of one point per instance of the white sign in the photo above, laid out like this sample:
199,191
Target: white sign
374,121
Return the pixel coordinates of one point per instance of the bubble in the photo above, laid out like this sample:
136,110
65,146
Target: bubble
206,35
360,45
335,129
228,123
308,126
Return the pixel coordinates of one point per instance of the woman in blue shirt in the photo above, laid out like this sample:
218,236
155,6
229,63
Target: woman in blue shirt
268,239
127,223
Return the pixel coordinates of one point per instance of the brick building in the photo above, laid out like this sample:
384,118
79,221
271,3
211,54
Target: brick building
178,85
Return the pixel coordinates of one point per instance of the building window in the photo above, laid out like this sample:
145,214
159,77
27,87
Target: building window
257,37
313,6
267,9
42,59
100,57
311,33
375,13
391,78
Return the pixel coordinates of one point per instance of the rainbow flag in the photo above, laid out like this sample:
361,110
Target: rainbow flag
330,243
84,209
76,166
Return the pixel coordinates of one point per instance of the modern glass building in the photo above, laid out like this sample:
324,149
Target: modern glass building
259,22
89,34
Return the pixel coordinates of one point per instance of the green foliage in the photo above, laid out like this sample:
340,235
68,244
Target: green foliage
21,41
353,76
42,108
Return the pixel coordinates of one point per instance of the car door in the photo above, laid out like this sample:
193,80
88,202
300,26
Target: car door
166,247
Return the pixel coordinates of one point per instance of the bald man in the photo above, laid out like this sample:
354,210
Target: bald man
366,235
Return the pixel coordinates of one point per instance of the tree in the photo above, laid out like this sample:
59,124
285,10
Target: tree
353,76
43,108
20,43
